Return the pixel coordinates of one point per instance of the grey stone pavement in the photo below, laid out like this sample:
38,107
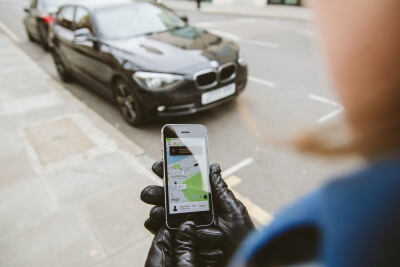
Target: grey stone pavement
69,181
267,11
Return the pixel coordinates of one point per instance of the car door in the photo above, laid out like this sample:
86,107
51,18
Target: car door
92,57
64,36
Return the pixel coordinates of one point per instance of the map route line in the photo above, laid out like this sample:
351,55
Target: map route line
257,213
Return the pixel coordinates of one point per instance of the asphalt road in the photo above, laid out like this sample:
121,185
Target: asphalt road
288,90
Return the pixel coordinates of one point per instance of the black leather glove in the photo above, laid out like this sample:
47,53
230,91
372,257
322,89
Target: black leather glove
231,217
169,250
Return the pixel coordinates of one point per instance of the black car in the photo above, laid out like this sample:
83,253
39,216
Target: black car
146,58
40,16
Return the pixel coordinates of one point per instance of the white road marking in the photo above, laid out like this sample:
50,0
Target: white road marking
323,100
260,81
257,213
226,35
9,32
259,43
228,172
330,115
242,40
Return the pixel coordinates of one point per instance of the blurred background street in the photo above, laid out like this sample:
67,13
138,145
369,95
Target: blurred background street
287,91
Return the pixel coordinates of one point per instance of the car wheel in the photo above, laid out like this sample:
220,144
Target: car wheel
65,75
128,103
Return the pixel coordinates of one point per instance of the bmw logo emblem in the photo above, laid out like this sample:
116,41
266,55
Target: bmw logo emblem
214,64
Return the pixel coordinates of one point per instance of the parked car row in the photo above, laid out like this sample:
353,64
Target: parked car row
145,57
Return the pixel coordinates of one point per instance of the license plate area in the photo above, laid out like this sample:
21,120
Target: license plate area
218,94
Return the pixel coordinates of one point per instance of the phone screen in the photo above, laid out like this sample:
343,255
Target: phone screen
187,174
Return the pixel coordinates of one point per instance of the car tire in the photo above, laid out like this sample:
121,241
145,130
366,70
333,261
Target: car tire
128,103
62,71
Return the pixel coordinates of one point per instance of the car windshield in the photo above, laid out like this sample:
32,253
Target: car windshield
135,20
54,3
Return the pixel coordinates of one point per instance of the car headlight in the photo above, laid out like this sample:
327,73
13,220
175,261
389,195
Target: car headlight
157,82
241,59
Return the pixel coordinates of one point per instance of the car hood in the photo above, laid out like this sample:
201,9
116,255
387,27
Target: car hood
182,51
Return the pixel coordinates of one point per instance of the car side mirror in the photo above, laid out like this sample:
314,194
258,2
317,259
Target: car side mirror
27,9
84,34
185,19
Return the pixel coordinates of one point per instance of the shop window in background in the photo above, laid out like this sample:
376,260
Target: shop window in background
285,2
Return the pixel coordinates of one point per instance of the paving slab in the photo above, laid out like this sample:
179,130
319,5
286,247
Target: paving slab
134,255
23,204
58,139
63,240
80,182
15,168
117,216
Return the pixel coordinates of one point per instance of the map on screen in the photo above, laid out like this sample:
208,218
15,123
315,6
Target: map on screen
188,188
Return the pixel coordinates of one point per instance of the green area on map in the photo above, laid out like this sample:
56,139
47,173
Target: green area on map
195,190
177,166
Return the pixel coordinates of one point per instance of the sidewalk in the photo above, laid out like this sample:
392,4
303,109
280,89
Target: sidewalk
70,182
267,11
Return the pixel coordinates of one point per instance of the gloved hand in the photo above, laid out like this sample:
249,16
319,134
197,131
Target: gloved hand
169,250
231,217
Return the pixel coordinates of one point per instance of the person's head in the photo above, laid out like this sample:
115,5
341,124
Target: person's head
361,39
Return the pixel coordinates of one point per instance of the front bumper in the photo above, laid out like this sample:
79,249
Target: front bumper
186,99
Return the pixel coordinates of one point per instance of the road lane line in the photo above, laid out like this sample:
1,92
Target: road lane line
259,43
9,32
226,35
242,40
330,102
323,100
228,172
257,80
257,213
330,115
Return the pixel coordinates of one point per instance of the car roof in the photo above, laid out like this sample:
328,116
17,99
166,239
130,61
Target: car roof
98,4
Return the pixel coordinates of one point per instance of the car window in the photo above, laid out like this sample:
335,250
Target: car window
82,19
65,17
135,19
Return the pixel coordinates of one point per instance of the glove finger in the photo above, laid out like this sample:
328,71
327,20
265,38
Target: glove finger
210,256
158,169
223,199
161,252
153,195
185,250
157,215
151,226
209,237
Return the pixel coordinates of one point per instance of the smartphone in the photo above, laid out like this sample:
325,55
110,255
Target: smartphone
186,175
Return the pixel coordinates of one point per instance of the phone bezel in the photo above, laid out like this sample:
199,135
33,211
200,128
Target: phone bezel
201,218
